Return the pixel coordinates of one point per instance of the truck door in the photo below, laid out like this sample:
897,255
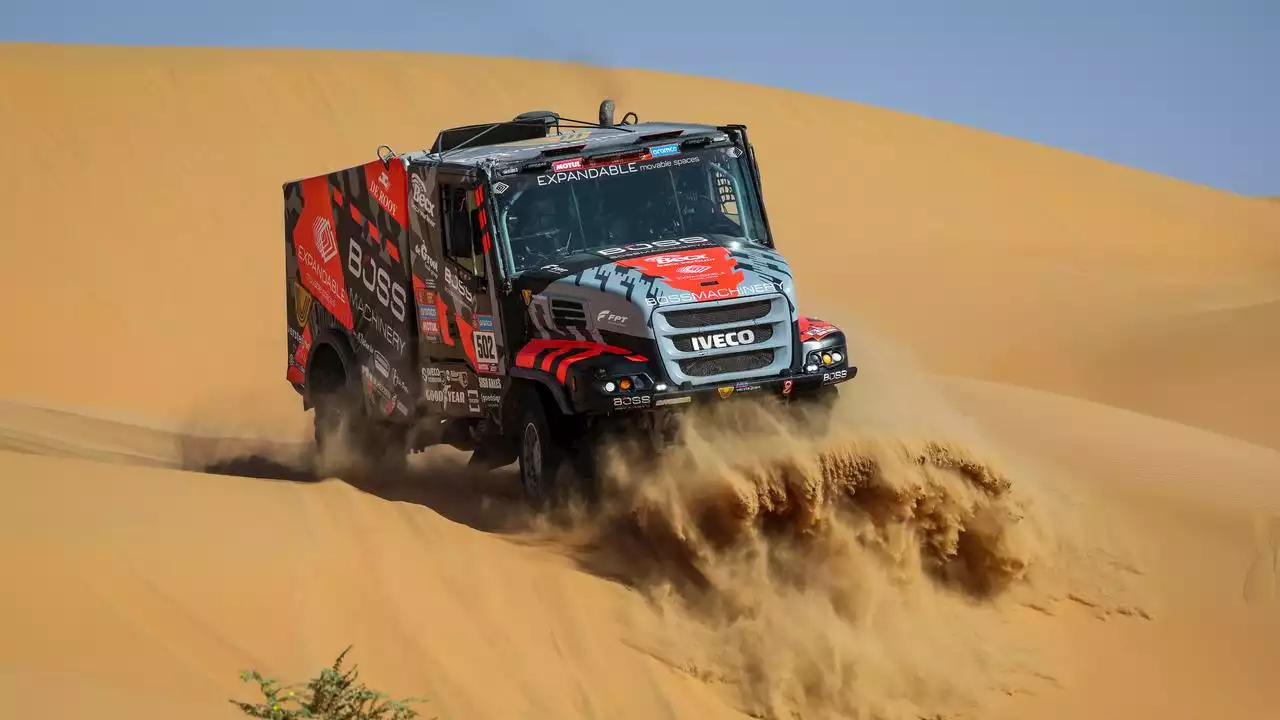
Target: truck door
458,339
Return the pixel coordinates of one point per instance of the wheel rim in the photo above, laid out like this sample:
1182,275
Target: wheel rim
531,467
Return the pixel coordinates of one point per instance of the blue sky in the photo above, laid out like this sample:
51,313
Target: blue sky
1188,88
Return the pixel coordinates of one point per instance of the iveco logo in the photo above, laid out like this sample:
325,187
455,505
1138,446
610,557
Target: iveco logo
723,340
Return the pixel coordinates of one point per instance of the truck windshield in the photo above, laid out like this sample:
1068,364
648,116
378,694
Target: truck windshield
574,208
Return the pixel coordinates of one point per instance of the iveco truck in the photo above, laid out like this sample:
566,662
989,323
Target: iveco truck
522,288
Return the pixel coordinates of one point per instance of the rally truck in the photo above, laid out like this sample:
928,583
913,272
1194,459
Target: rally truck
523,288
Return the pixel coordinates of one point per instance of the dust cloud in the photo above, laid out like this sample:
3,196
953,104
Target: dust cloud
819,568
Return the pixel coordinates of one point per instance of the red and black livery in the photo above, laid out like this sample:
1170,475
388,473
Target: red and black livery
521,287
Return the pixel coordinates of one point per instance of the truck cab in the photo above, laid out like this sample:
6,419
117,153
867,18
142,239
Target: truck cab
522,288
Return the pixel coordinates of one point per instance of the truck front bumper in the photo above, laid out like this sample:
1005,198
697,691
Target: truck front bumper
794,387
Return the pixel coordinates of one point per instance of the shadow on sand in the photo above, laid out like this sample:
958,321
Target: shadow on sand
439,479
608,545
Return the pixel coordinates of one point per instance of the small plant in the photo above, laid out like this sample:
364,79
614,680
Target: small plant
333,695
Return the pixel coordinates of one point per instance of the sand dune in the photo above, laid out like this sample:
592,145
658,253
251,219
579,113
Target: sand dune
1096,532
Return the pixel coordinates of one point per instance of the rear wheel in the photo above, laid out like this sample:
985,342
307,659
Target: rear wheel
347,439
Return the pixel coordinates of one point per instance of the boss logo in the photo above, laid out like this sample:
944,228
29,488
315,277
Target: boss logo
390,293
632,402
459,288
834,376
656,245
723,340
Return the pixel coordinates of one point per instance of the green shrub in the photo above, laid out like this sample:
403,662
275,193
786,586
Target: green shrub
333,695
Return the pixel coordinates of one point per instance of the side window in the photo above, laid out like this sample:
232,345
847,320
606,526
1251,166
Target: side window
461,221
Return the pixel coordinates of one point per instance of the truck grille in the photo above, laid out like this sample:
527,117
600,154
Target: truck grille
724,364
734,340
684,343
701,317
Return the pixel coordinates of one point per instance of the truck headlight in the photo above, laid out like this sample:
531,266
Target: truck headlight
625,383
820,359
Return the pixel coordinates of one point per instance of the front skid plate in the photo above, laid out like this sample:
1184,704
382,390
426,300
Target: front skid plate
777,387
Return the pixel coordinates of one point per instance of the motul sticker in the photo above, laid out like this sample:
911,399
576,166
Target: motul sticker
564,165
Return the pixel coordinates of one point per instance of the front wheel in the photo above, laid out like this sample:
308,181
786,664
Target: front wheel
813,409
540,457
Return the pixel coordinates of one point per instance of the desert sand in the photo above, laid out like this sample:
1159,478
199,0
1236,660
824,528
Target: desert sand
1062,434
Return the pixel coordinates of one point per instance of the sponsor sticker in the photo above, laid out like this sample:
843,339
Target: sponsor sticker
609,317
626,402
301,304
445,396
723,293
563,165
458,287
836,376
664,150
390,294
571,174
421,200
325,241
380,189
430,263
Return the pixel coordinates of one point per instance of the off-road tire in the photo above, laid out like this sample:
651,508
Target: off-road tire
814,408
541,454
341,420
